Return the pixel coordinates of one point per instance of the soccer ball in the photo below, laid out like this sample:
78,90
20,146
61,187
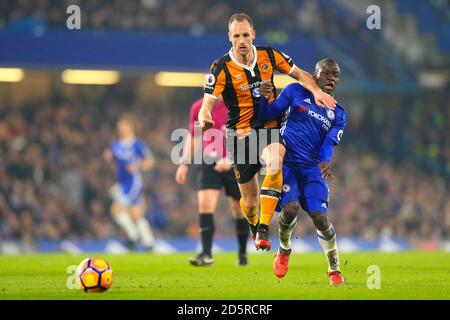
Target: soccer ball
94,275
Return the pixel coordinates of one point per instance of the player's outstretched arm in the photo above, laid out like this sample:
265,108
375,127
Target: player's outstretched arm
214,86
272,111
204,115
325,156
322,98
331,140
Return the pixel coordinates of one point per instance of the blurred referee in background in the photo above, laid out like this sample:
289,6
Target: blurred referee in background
214,173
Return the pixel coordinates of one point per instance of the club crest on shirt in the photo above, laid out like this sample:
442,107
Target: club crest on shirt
286,188
330,114
265,67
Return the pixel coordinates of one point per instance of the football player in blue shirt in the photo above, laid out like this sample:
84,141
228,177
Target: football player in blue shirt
131,156
310,133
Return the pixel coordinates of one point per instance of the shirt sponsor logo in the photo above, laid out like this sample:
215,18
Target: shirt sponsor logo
320,117
254,85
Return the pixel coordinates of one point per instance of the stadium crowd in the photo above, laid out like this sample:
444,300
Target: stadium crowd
196,16
392,169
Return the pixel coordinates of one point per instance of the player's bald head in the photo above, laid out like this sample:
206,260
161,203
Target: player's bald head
326,64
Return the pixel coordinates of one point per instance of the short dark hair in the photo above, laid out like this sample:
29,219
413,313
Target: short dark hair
326,61
240,17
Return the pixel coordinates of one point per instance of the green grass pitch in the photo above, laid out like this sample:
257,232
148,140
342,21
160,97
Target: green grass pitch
404,275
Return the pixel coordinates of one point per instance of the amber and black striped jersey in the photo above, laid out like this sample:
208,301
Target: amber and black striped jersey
239,84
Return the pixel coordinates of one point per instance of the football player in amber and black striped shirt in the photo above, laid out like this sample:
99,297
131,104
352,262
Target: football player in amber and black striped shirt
237,76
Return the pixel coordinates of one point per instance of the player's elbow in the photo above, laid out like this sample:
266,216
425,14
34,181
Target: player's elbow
296,73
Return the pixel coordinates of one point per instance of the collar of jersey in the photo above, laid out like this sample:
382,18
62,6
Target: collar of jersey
255,58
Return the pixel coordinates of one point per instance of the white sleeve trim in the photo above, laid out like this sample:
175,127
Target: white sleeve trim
210,95
292,69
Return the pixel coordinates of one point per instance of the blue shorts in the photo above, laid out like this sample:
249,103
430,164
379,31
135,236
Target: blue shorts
305,185
127,194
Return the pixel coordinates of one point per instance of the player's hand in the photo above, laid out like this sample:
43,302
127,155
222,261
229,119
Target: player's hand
223,165
107,155
134,167
323,99
266,89
325,169
207,124
181,174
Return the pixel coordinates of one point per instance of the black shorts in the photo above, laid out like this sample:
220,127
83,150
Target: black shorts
208,178
246,152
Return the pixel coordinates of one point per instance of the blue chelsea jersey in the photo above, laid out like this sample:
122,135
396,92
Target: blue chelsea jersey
128,153
305,125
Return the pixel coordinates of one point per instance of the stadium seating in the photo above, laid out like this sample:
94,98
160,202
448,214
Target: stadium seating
392,176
